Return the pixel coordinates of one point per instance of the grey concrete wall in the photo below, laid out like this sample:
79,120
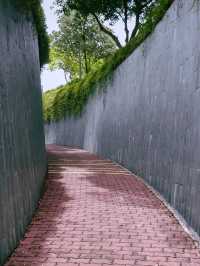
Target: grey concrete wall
22,150
148,116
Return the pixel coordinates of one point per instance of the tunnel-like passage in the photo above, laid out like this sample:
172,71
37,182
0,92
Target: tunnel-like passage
94,212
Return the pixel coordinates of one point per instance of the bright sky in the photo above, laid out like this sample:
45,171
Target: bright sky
52,79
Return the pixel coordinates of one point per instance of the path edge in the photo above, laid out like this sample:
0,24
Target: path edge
179,218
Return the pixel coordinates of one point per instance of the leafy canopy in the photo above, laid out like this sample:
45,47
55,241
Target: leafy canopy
78,45
110,11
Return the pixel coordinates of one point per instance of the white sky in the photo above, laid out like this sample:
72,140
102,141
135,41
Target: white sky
52,79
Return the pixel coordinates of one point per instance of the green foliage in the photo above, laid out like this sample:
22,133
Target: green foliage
67,62
34,7
110,11
78,44
71,99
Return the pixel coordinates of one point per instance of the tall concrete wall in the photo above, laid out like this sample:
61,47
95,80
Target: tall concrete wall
22,150
147,118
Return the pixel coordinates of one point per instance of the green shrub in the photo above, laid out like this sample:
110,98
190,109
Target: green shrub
70,99
34,7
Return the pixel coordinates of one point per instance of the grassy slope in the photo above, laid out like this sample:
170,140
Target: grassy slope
70,99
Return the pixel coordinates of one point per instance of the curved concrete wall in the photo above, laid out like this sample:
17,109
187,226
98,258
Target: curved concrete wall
147,118
22,149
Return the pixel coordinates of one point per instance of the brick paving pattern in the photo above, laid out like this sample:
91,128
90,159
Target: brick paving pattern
96,213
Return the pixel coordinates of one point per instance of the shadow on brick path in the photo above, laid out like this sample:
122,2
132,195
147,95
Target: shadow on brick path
96,213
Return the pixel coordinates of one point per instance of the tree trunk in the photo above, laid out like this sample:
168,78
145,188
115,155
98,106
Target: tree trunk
86,63
126,20
65,75
137,23
85,51
107,31
80,66
89,63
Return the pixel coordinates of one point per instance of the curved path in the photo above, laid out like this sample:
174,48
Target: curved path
96,213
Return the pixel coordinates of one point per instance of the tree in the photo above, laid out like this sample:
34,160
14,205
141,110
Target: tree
112,11
60,60
78,44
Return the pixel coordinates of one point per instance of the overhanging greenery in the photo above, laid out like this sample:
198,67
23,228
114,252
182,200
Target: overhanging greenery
34,7
70,99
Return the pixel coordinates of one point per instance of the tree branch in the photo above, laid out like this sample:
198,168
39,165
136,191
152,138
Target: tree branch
137,23
126,20
107,31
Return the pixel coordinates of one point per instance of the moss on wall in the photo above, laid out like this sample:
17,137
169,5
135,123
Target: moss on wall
34,7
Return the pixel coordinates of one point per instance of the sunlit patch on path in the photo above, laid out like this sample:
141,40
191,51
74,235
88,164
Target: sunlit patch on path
95,212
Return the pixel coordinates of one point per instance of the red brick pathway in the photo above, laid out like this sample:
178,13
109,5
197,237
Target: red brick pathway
96,213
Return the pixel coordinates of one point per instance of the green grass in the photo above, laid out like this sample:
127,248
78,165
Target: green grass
34,7
70,99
